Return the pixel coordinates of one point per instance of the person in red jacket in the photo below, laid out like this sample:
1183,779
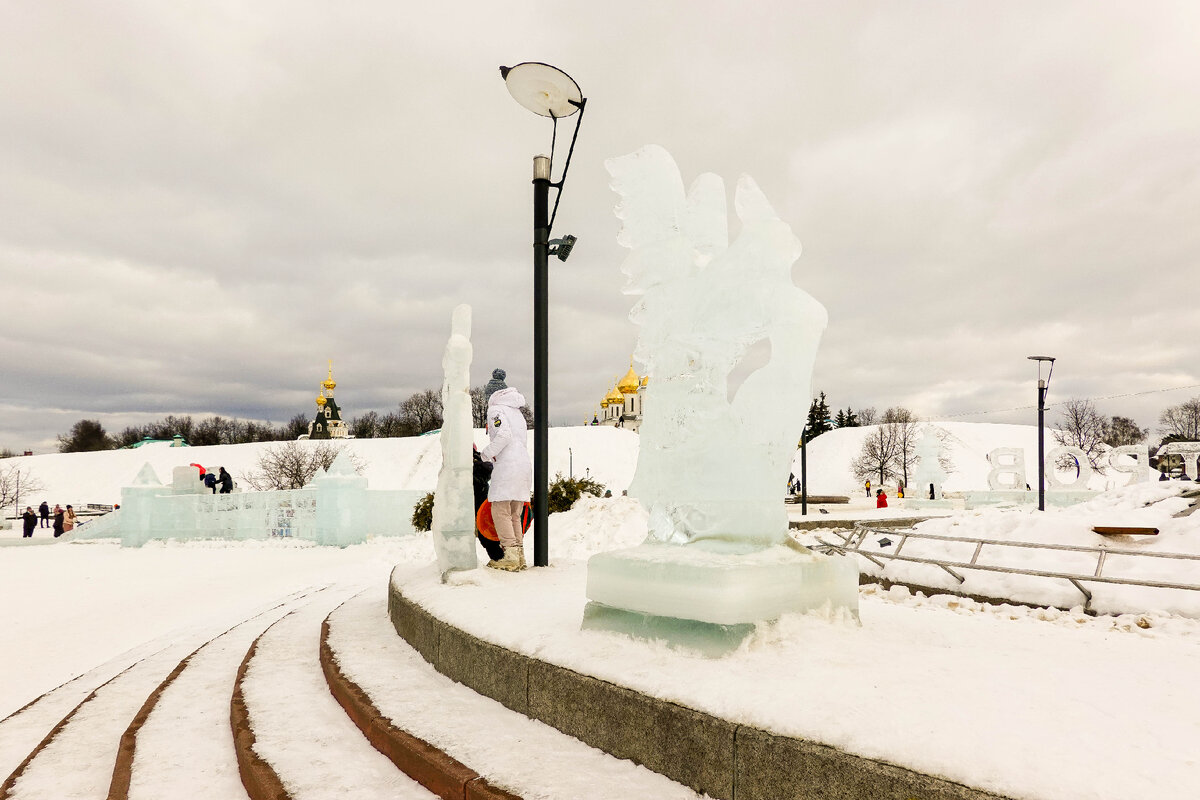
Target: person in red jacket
880,499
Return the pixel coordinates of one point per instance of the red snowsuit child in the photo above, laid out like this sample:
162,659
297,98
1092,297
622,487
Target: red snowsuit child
880,499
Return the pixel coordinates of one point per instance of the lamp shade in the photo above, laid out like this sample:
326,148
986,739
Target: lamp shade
543,89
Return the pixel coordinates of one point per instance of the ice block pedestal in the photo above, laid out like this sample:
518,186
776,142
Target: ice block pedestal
710,601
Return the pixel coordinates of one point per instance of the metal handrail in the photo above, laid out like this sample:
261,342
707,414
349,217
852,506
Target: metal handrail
853,542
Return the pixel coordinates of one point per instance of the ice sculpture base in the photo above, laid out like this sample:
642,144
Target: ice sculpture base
710,601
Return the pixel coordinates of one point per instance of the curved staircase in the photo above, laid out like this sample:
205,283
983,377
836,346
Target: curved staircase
315,697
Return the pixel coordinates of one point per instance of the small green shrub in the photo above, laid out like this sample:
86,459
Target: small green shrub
565,491
422,518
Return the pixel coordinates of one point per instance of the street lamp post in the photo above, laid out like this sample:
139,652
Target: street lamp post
549,92
1043,387
804,472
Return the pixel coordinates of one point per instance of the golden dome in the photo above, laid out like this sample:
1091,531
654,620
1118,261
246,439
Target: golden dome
320,400
629,384
615,397
328,383
604,403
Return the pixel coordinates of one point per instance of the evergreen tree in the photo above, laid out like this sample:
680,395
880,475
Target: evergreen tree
818,418
845,419
85,436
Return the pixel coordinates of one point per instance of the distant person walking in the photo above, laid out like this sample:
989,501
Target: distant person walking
69,520
495,384
868,486
512,478
58,520
880,498
44,510
30,519
226,481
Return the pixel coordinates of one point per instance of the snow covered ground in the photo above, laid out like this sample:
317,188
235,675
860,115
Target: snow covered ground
1032,702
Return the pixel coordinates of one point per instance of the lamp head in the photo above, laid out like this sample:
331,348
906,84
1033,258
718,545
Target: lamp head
562,247
1039,360
545,90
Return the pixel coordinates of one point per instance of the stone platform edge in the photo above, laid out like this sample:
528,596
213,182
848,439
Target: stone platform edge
723,759
437,771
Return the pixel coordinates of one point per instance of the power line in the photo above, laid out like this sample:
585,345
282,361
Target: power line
1064,402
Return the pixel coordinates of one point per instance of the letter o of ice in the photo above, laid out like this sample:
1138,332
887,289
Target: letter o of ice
999,467
1081,458
1140,453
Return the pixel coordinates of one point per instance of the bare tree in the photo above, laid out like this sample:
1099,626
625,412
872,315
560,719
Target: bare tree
903,431
1083,427
16,481
877,459
479,400
1181,423
365,426
292,465
421,413
867,416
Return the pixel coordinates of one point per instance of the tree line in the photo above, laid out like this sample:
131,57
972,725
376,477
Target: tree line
420,413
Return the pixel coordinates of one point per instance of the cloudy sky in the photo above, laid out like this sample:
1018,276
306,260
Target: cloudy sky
202,202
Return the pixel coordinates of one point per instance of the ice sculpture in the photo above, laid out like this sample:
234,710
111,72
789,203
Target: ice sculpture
341,505
929,470
1010,462
1139,470
454,501
1075,454
710,467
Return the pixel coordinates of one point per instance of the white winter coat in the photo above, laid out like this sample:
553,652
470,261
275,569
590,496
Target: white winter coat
512,477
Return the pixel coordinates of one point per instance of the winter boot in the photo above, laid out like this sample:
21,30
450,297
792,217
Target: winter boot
513,561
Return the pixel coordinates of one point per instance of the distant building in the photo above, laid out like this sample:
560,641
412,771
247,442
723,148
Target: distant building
622,406
328,422
176,441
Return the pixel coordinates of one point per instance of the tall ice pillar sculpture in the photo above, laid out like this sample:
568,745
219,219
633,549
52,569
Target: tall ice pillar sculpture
454,500
713,457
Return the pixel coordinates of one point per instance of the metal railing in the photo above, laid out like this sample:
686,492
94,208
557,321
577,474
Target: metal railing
853,543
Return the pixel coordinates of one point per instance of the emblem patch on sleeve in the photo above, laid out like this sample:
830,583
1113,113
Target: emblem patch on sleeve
496,422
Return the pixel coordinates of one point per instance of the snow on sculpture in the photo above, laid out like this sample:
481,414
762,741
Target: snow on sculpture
454,500
712,462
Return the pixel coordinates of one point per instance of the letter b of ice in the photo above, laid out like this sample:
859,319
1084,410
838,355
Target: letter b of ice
1016,468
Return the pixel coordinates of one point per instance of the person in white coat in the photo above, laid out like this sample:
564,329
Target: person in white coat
512,476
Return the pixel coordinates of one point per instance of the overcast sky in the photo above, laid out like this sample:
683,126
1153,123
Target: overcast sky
202,202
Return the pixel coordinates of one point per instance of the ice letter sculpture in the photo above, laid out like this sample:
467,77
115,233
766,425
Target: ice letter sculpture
711,467
454,501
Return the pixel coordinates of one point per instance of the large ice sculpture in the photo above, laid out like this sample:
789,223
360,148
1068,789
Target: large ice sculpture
454,501
928,473
710,466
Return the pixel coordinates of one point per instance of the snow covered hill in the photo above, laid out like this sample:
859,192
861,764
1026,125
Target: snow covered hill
605,454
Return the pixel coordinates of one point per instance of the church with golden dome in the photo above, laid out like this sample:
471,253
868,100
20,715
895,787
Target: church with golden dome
328,422
622,406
